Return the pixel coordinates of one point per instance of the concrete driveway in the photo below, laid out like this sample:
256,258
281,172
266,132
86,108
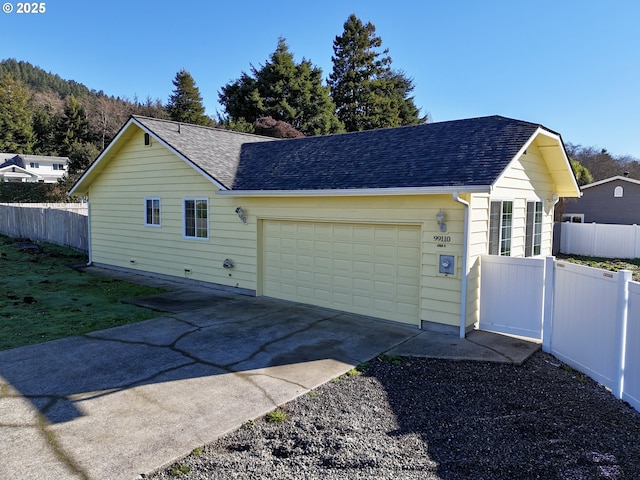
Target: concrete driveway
122,402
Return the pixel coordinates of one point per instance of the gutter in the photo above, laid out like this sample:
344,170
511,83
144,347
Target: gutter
354,192
465,250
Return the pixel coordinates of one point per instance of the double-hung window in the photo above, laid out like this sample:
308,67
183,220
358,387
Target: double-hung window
152,211
500,221
533,240
196,218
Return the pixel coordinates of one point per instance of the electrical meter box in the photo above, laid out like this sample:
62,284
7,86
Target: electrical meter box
447,264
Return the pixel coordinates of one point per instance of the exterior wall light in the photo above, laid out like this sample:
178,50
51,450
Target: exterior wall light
440,219
241,214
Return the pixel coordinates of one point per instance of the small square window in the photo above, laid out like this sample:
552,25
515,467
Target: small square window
152,212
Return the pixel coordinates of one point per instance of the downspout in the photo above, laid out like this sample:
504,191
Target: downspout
465,249
90,260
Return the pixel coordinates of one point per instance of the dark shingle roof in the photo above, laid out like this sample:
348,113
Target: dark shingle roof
17,161
459,153
472,152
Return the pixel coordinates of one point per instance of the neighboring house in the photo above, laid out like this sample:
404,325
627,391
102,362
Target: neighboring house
612,200
32,168
389,223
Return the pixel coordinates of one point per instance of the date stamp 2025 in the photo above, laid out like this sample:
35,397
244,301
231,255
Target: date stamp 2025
25,7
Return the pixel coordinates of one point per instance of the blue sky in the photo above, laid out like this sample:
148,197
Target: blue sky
571,65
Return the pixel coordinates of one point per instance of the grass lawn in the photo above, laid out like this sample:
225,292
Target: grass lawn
610,264
42,297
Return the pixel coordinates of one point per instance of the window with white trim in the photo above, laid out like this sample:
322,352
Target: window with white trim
152,211
533,237
500,220
196,218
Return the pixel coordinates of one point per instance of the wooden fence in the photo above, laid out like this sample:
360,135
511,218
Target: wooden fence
60,223
587,317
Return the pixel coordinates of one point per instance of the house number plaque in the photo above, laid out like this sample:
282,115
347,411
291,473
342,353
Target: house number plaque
442,240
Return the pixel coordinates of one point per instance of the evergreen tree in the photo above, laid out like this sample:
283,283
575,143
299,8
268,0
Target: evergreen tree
44,129
366,91
73,127
285,91
16,132
185,103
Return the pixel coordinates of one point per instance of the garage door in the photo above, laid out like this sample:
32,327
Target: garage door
366,269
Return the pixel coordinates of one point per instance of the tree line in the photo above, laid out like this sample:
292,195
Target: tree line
40,113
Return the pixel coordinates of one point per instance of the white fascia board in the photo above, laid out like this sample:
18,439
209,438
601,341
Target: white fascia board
611,179
356,192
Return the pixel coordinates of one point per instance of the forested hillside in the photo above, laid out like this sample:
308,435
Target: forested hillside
43,114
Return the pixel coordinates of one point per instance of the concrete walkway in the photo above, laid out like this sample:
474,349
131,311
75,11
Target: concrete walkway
119,403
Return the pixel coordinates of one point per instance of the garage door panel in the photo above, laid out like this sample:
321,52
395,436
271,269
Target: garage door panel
385,234
304,245
321,230
409,236
362,251
343,232
321,295
342,300
409,253
361,285
408,272
367,269
304,277
342,282
341,248
364,234
322,264
362,268
386,289
340,265
322,279
305,261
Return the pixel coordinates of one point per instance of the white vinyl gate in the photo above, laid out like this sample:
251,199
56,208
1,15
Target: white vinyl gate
589,318
512,295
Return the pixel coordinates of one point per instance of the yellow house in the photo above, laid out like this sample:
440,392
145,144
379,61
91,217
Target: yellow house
389,223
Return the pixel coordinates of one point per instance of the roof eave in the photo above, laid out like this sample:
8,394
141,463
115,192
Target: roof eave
357,192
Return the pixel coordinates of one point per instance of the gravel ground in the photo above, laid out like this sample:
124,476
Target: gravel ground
410,418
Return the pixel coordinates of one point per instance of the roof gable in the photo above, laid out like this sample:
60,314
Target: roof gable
15,161
213,152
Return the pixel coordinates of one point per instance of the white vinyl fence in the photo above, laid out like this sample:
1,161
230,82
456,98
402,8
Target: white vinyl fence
512,297
590,317
61,223
600,240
